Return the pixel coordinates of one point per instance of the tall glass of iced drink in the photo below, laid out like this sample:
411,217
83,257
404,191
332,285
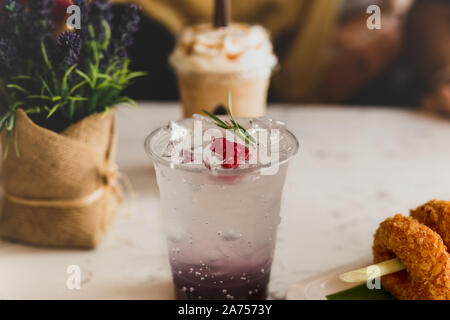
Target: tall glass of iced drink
221,203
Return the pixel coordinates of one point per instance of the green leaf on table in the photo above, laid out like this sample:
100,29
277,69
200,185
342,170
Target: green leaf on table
361,292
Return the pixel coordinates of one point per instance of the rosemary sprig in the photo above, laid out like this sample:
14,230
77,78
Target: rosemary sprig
231,124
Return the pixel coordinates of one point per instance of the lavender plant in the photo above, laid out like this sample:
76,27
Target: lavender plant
56,75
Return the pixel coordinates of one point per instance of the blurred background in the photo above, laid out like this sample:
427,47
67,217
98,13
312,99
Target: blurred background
326,52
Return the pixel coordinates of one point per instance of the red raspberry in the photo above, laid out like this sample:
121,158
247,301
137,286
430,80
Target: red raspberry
232,153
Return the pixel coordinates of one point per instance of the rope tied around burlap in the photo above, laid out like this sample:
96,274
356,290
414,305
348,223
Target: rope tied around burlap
110,175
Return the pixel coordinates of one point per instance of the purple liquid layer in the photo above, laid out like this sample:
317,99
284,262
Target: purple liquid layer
194,282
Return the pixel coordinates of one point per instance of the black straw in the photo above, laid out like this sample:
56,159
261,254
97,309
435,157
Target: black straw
222,13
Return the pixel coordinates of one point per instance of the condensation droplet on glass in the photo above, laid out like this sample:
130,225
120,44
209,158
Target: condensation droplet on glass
191,289
224,291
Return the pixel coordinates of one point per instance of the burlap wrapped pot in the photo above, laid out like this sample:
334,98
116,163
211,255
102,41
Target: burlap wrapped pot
61,190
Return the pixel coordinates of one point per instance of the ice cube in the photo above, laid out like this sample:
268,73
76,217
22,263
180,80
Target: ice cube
266,123
210,159
177,131
177,142
202,118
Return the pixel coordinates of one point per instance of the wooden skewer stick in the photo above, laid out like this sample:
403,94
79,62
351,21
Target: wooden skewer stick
373,271
222,13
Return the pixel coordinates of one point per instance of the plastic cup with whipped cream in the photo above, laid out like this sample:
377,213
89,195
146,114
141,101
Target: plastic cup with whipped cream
211,61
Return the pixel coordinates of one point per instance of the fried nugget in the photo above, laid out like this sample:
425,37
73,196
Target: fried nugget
422,251
436,215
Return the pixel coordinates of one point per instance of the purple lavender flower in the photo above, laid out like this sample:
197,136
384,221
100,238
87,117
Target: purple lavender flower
101,10
123,35
70,45
129,25
40,17
13,10
13,16
7,56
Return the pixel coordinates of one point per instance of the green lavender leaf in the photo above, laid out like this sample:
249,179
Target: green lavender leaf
46,87
77,98
232,125
53,110
66,76
33,110
7,138
217,119
3,119
44,54
128,101
17,87
77,86
16,144
38,96
85,77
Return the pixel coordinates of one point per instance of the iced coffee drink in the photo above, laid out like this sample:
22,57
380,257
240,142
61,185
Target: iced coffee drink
209,61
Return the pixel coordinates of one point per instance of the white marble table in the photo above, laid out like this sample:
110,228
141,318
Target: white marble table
355,168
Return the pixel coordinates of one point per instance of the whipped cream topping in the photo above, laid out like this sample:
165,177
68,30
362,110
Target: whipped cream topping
235,48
